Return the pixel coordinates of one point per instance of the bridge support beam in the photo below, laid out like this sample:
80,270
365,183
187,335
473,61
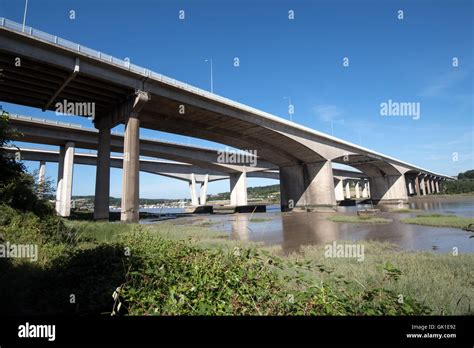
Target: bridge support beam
365,190
203,192
102,180
348,190
423,185
131,157
437,186
238,188
433,189
339,190
192,188
357,189
131,167
41,178
428,185
388,189
307,185
64,185
417,185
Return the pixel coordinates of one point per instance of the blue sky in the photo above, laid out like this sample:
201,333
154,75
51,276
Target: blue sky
407,60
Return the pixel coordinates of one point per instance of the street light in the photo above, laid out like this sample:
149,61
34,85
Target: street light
24,15
291,108
212,82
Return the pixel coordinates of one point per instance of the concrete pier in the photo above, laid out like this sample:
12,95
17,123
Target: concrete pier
339,189
238,188
64,185
389,188
203,191
307,185
41,178
131,163
192,189
102,181
357,189
348,190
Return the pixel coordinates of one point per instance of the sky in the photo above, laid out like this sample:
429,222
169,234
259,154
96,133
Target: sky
403,60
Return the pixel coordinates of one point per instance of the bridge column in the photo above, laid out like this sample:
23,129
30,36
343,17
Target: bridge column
339,190
131,175
357,189
433,185
238,188
410,186
437,186
307,185
129,113
41,178
417,185
192,188
388,188
428,185
423,185
203,192
64,185
365,190
102,179
348,189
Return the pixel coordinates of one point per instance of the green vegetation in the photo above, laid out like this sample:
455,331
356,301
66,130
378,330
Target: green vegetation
268,193
440,220
444,282
464,184
259,219
459,186
172,270
359,219
405,211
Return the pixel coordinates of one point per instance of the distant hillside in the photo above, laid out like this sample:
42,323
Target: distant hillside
271,192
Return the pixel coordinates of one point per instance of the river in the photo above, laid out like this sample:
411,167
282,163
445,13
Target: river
292,230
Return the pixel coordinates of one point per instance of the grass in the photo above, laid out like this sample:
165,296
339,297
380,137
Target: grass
359,219
259,219
444,282
439,220
405,210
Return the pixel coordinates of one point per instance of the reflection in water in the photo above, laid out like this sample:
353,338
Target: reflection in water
292,230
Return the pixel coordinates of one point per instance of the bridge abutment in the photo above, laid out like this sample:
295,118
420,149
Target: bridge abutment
307,185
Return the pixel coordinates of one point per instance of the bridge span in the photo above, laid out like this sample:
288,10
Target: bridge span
54,70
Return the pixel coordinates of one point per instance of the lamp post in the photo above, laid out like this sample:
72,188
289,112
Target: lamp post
212,79
24,15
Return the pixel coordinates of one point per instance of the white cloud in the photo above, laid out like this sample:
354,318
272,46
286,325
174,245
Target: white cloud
442,83
327,113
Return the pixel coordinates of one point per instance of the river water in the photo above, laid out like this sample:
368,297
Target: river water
292,230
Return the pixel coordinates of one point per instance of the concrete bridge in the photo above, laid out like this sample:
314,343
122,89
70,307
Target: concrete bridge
56,72
193,175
